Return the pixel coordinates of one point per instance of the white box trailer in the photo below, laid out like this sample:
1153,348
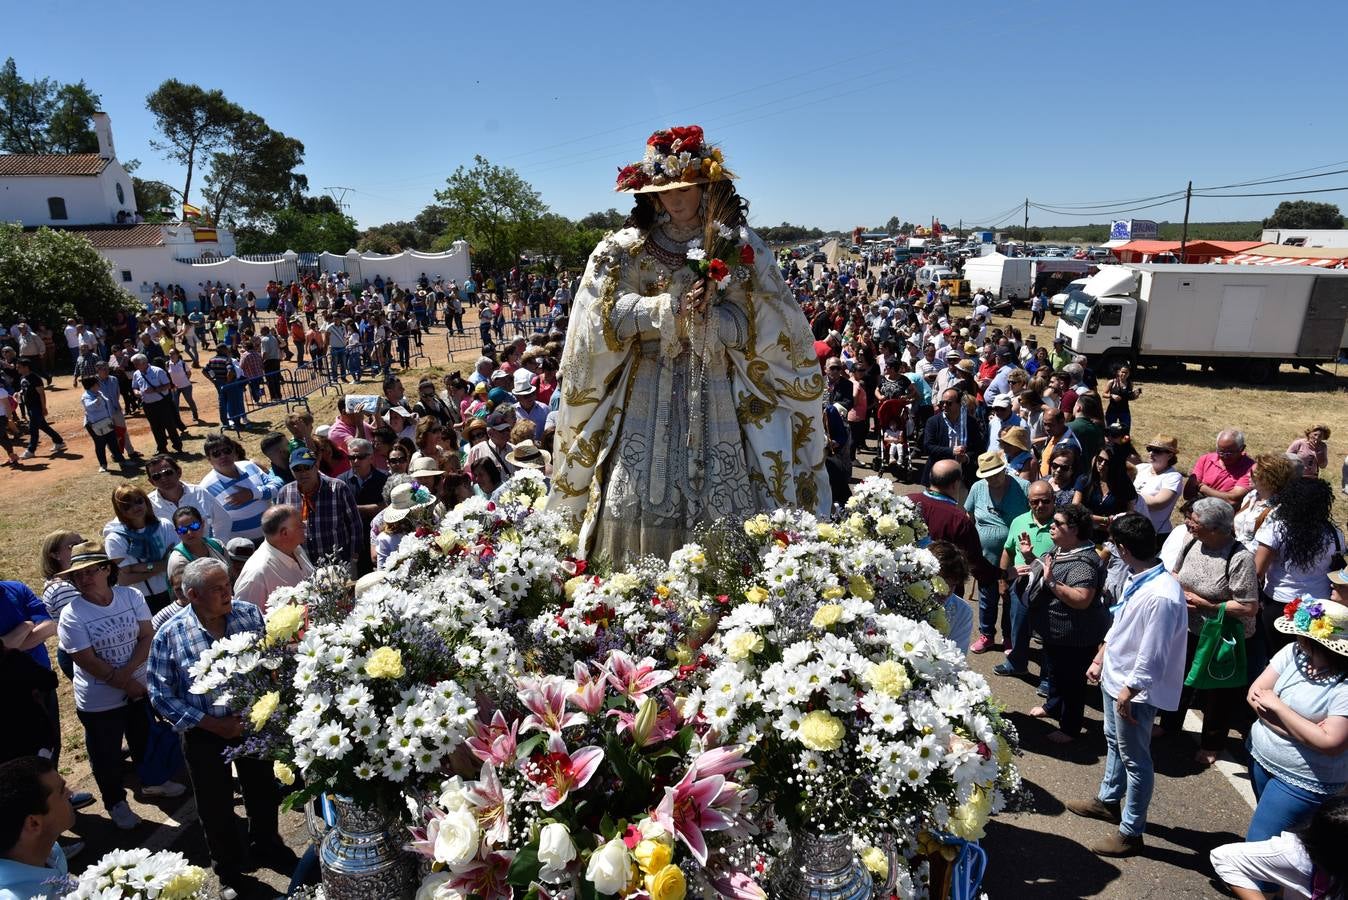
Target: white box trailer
1242,320
1006,276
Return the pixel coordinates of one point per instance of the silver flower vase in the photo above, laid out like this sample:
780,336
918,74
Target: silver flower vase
361,860
825,867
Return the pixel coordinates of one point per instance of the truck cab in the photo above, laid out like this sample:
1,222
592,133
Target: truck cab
1098,327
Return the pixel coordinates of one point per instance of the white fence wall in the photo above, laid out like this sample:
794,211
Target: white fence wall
404,268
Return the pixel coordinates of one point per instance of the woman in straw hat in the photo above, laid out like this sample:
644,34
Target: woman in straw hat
1297,758
691,385
410,506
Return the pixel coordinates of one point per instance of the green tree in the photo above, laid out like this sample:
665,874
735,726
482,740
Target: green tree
494,208
193,121
892,226
1305,214
608,220
47,275
392,237
44,116
255,173
308,225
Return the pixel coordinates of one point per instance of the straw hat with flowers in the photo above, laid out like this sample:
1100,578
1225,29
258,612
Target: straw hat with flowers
1324,621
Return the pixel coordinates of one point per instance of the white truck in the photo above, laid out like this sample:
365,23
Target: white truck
1005,276
1243,321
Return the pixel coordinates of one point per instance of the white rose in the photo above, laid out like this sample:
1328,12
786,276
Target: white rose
436,887
555,847
610,867
453,795
652,830
457,839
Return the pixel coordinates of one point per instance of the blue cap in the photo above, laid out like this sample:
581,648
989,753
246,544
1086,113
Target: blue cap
302,456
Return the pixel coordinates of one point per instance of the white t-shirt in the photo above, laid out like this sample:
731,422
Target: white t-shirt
961,620
112,632
178,373
1148,482
116,544
1285,583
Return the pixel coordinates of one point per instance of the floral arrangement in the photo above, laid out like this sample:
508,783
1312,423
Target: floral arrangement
731,256
558,728
137,875
1309,616
678,154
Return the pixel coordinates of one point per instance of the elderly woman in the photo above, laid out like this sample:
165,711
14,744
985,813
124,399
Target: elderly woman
239,485
1295,546
1158,483
107,632
1297,744
1312,450
141,541
1065,602
1217,574
1271,473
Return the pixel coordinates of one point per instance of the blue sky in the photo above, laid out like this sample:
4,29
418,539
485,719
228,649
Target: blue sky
833,115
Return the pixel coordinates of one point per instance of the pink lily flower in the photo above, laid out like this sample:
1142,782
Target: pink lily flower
493,805
588,695
423,838
635,679
545,699
486,877
735,885
557,773
700,805
719,761
495,743
667,723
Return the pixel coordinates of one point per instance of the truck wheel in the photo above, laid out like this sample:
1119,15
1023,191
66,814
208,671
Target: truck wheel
1261,371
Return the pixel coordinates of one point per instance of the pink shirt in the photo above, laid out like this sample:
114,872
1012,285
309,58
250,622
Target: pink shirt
1313,459
1209,470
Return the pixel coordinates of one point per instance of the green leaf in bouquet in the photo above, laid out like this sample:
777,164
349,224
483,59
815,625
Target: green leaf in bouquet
683,741
297,799
526,749
606,826
524,868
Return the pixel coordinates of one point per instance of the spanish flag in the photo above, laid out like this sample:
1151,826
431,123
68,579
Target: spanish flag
190,212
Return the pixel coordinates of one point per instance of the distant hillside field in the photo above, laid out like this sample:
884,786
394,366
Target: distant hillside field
1170,231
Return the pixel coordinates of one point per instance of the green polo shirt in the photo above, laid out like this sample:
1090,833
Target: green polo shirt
1040,542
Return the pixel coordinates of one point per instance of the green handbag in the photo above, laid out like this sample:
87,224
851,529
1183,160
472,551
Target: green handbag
1219,660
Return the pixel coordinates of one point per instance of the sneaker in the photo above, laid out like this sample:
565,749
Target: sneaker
167,789
123,817
27,454
59,448
103,470
1094,808
982,645
81,799
1006,668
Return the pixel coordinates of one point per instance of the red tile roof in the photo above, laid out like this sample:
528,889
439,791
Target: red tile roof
113,236
51,164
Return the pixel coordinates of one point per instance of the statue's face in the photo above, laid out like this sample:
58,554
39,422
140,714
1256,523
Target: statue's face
682,204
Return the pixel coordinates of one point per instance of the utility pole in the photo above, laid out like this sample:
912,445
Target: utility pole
1026,236
1184,236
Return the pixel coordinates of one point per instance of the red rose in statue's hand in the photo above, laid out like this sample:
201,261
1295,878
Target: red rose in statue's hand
717,270
747,255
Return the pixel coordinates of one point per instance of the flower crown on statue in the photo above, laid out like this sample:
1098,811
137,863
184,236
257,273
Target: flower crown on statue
675,157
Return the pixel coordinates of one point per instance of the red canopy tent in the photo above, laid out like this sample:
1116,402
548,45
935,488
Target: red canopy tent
1194,251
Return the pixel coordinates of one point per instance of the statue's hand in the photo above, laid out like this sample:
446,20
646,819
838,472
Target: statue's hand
695,298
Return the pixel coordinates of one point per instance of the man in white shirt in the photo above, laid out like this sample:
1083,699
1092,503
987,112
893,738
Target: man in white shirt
279,562
171,492
1140,669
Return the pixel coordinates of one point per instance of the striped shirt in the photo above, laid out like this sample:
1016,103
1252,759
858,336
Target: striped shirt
245,518
177,646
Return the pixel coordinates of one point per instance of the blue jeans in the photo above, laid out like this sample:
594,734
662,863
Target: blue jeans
1129,777
1019,635
338,368
989,601
1282,806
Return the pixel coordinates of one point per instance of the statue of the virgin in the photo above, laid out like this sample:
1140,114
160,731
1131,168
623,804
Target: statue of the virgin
690,388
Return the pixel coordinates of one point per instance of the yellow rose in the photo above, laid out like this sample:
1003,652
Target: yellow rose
756,595
827,532
826,615
667,884
568,540
744,644
624,582
447,541
860,588
662,591
386,662
886,526
856,524
283,622
821,730
185,884
572,585
652,856
698,559
262,709
834,593
283,773
967,819
940,621
919,590
889,678
875,861
758,526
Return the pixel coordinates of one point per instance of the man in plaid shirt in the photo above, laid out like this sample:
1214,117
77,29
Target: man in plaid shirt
208,729
332,520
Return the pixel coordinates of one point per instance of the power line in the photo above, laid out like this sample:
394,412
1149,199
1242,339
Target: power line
1273,179
1061,212
1278,193
1113,203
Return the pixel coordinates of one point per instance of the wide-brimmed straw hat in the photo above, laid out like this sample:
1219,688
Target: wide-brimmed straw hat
86,555
990,464
528,455
1017,437
1324,621
675,158
405,499
1164,442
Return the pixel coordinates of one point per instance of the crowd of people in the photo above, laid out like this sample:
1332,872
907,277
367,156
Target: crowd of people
1121,564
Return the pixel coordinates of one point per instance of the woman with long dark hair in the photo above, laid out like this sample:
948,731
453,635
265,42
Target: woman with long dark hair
692,387
1106,490
1295,546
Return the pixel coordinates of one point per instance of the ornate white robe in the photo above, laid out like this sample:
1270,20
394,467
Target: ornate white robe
650,441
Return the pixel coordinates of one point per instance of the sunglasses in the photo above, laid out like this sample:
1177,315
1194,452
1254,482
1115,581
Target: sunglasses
220,451
164,473
1057,524
1041,501
397,459
186,529
1059,466
354,456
